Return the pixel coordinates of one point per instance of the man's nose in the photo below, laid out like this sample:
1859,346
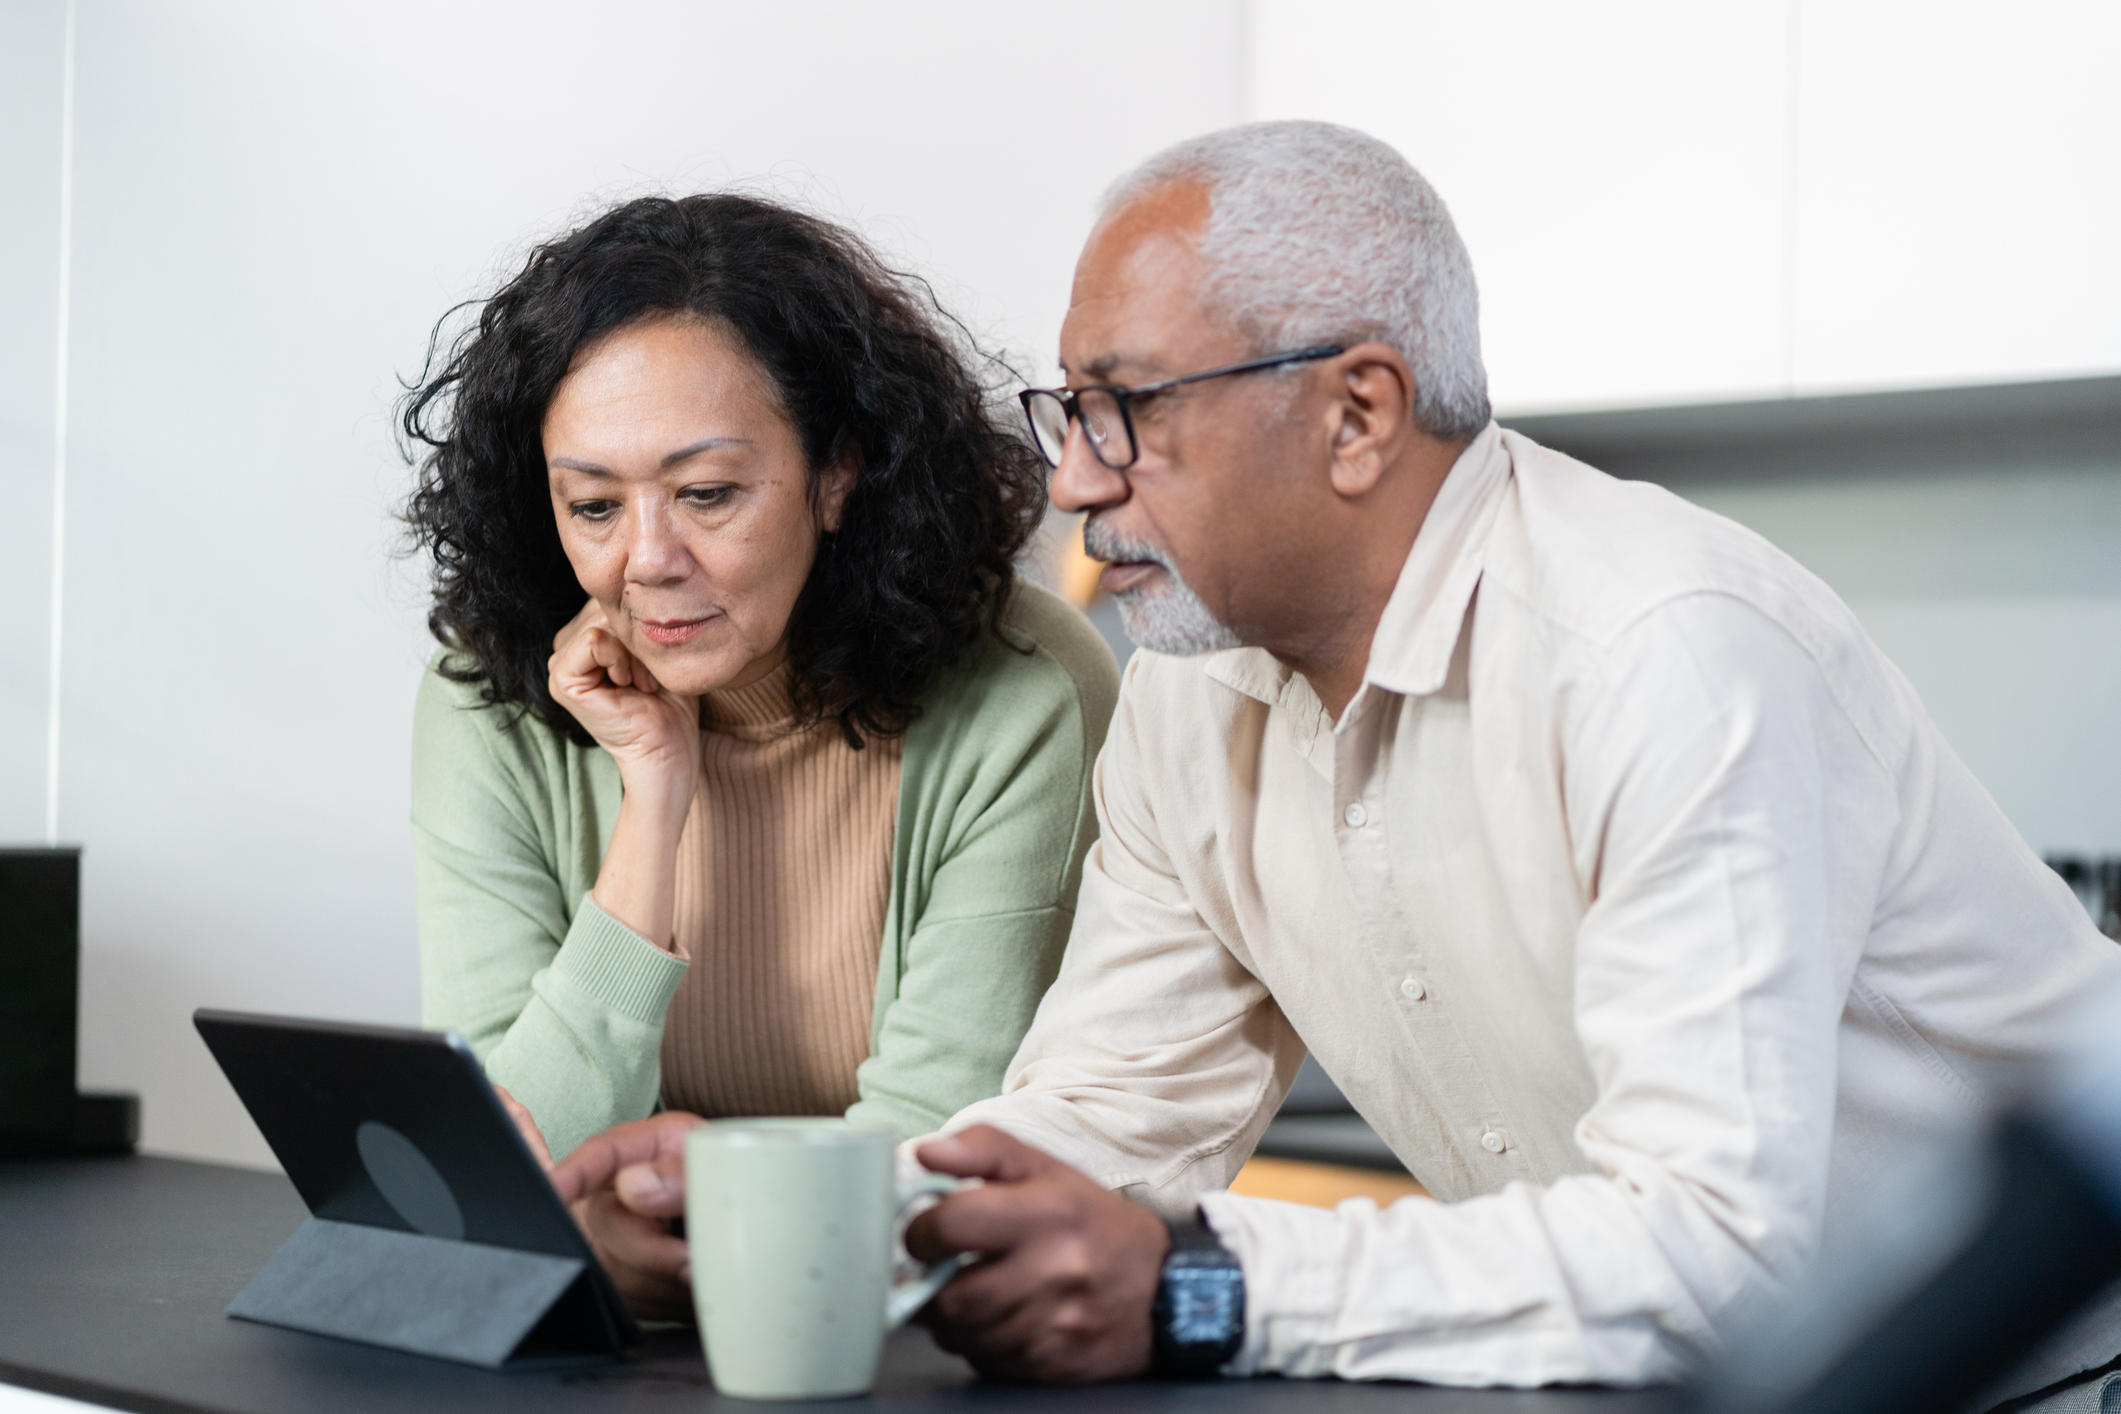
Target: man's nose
1081,482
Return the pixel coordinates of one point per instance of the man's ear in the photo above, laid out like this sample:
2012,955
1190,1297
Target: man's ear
834,485
1371,414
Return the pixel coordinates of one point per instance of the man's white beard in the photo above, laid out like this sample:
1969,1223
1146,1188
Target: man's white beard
1163,617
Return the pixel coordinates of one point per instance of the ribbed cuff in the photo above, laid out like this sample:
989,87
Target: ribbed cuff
606,960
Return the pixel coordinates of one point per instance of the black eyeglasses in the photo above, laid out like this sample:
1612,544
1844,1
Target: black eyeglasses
1103,409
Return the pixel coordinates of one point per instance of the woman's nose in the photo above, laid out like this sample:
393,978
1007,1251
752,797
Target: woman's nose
654,554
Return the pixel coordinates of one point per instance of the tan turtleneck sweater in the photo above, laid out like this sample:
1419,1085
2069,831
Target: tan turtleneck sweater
784,873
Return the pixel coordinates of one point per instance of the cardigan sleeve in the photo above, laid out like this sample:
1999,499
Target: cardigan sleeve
993,827
562,1003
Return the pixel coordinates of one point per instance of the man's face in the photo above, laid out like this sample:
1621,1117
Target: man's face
1195,532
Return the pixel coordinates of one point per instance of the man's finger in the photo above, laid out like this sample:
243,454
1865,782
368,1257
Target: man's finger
982,1151
984,1294
994,1218
1009,1344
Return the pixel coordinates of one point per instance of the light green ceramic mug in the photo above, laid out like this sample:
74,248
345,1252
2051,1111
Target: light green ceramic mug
793,1226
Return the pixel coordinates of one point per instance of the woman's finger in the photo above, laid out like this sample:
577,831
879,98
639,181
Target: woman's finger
596,1161
591,615
636,1243
654,1190
527,1126
608,653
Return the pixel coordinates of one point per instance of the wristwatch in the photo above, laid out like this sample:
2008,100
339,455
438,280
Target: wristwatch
1198,1317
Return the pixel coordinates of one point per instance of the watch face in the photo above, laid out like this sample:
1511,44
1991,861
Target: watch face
1205,1304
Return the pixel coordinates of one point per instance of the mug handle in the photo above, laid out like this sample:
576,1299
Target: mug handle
909,1296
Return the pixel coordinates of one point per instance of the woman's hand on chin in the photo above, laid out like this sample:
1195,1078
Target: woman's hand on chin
652,732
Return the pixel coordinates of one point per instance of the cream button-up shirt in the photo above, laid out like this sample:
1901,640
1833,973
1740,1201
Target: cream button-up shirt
1633,899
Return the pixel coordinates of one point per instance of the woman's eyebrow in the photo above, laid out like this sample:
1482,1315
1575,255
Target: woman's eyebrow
671,460
708,445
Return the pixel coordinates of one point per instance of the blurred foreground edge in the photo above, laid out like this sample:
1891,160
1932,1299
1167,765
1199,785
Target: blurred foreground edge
1957,1272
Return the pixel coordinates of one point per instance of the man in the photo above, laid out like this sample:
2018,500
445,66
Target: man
1619,881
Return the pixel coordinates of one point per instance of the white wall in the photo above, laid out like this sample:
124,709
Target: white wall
1998,593
273,205
30,41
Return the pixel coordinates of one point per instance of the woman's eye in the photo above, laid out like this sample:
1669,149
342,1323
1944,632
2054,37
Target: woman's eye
706,495
593,510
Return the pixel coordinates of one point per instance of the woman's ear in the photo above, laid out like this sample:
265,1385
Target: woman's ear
833,488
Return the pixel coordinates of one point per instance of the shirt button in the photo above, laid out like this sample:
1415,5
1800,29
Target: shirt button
1493,1142
1413,989
1355,815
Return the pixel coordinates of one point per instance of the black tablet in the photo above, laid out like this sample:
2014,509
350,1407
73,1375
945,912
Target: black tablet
399,1129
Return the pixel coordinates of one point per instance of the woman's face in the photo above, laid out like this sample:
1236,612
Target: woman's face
683,500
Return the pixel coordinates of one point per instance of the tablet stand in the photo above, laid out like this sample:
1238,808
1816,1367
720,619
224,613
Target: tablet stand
490,1306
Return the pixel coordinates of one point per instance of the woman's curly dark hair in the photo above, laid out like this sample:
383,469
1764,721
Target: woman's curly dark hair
862,359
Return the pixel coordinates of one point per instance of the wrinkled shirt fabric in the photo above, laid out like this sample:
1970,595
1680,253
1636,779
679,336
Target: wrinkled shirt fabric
1633,899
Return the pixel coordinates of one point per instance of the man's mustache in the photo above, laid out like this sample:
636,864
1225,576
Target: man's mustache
1101,542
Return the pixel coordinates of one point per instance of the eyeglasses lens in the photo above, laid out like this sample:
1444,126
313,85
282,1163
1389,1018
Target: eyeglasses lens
1106,428
1049,424
1103,423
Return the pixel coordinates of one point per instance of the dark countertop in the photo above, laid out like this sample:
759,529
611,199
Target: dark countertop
114,1274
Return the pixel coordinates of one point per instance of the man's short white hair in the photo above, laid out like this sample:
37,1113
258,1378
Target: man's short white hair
1319,234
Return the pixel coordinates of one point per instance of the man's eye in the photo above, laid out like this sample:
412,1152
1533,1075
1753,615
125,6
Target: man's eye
593,510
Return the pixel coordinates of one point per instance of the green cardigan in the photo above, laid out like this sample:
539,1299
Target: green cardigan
565,1005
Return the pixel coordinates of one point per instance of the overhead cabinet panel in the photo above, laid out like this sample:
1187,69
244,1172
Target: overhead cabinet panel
1959,192
1617,171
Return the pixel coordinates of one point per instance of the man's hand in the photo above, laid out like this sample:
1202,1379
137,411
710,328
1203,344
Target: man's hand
1070,1271
624,1187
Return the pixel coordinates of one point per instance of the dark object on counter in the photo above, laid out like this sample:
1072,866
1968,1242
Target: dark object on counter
1957,1273
432,1230
41,1112
2097,885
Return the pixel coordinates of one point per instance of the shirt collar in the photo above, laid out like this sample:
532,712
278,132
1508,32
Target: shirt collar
1411,651
1418,632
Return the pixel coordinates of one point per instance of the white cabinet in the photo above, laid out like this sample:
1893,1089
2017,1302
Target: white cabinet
1958,192
1678,202
1615,171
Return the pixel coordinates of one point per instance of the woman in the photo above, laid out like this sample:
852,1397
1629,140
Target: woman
750,779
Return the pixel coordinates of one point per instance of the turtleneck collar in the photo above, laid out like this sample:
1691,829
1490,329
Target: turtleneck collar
755,712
